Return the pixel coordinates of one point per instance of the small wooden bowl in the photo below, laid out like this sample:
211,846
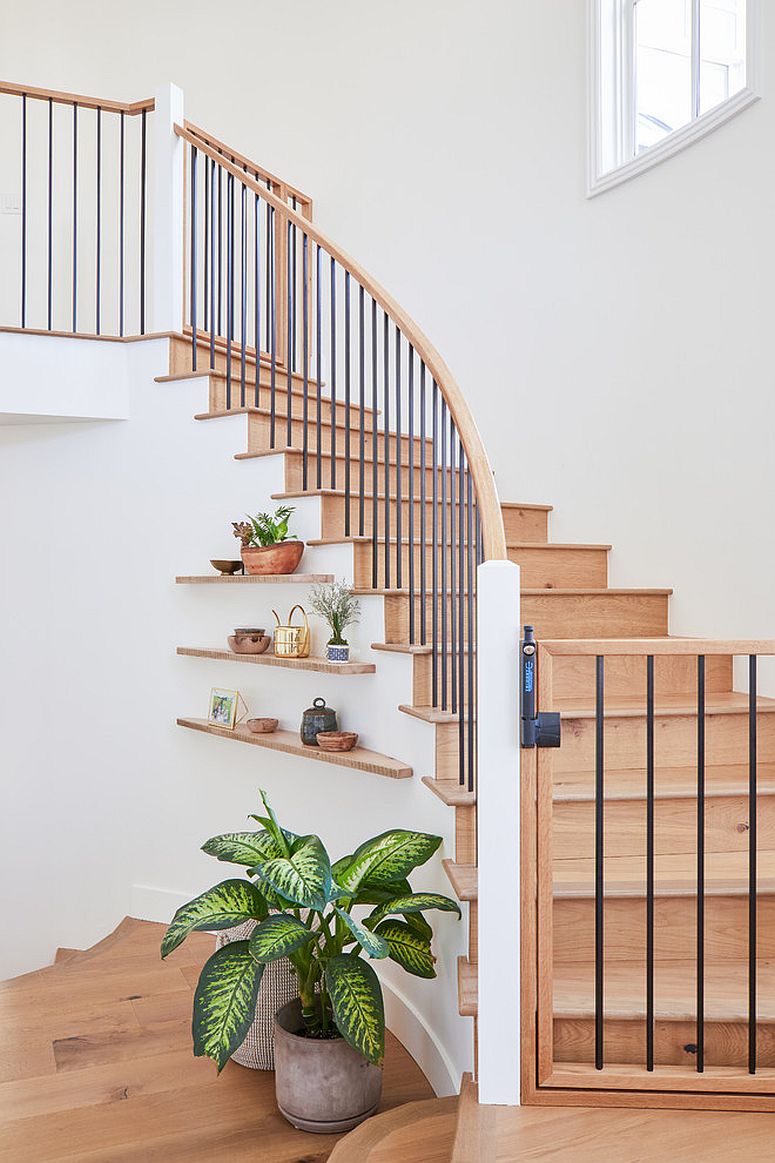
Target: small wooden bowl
262,726
226,568
337,740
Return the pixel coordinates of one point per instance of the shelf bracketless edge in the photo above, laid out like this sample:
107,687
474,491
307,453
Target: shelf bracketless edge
321,665
254,579
288,741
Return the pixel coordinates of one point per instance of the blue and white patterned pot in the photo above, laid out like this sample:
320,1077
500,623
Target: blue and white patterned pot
337,653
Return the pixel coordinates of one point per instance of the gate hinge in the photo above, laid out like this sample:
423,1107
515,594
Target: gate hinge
537,728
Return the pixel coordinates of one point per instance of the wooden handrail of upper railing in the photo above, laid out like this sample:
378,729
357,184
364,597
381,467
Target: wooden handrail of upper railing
60,98
654,646
278,184
493,534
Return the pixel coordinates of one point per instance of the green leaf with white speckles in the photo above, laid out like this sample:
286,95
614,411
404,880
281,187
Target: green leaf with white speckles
408,948
278,936
225,1002
303,877
387,858
246,848
232,902
414,902
373,945
356,999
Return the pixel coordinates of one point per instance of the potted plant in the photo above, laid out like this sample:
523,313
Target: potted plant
330,1041
336,604
267,546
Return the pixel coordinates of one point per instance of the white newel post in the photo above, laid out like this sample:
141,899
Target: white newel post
167,184
498,803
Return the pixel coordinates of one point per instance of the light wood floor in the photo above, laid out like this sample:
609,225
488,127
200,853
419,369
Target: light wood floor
96,1064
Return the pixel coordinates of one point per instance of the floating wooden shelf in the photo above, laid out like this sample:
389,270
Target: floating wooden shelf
321,665
288,741
247,579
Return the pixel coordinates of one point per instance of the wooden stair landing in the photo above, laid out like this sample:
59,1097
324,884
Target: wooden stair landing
97,1065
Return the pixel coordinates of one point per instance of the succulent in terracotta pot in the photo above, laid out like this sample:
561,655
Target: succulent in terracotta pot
267,545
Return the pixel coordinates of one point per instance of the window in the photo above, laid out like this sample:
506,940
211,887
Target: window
663,73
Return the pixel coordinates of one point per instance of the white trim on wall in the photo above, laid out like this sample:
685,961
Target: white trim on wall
597,181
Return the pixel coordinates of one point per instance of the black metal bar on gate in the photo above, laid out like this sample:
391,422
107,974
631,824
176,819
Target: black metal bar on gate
347,404
700,864
98,241
599,856
752,861
143,184
121,179
75,221
50,210
192,279
435,543
410,434
399,446
649,862
24,210
386,440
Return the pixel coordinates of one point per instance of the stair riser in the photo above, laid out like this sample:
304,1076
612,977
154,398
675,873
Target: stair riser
422,680
525,524
558,615
675,741
218,394
726,1043
333,510
259,440
294,475
675,827
569,569
180,362
473,932
726,928
447,766
575,677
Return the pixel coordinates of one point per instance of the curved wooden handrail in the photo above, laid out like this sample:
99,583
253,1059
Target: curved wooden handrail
132,108
258,171
493,534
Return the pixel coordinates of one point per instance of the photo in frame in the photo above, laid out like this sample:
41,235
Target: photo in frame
224,708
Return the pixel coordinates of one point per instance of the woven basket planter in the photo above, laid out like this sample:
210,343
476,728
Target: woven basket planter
278,987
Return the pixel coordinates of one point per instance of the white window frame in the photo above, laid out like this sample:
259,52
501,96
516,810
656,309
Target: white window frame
608,104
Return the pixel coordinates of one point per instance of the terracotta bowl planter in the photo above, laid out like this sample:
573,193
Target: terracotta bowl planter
273,559
321,1086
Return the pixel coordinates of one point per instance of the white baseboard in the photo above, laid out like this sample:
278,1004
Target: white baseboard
403,1019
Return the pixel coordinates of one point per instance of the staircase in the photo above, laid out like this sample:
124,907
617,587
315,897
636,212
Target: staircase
646,870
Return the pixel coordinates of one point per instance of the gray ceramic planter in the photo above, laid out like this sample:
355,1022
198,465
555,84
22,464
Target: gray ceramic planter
321,1086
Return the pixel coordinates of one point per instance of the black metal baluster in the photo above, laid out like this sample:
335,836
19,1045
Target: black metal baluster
244,294
362,420
318,366
293,283
272,305
469,584
121,180
435,543
443,551
463,630
143,184
74,321
386,441
453,594
423,500
347,395
220,249
700,864
269,274
399,444
212,265
649,862
289,331
98,304
24,209
333,375
599,856
229,282
410,437
374,446
50,209
305,360
192,279
753,829
257,304
206,321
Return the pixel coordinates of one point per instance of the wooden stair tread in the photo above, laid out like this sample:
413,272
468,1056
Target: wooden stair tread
340,492
321,665
726,874
464,879
475,1134
669,782
249,579
450,792
726,990
366,539
288,741
62,955
416,1132
467,988
621,706
544,591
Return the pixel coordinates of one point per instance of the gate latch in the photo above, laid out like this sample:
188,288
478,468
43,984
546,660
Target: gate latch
538,728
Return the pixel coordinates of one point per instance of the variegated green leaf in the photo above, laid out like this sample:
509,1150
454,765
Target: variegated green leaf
371,943
342,863
304,877
246,848
232,902
273,824
278,936
408,948
225,1002
388,858
415,902
377,894
356,999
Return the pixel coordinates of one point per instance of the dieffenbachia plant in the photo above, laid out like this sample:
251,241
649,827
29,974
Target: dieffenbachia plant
305,907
